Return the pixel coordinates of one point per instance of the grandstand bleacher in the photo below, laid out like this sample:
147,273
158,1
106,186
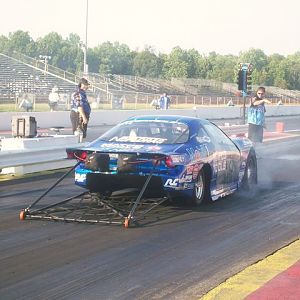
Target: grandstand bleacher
20,74
18,77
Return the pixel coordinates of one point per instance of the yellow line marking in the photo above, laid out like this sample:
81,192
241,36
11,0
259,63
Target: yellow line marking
253,277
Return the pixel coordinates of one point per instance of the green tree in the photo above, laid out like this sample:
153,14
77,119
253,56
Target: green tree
259,61
291,66
176,65
50,45
192,58
93,60
20,41
146,64
3,44
114,58
204,67
222,67
255,56
70,55
275,71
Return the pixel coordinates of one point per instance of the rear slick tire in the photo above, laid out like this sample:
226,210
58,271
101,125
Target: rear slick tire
201,193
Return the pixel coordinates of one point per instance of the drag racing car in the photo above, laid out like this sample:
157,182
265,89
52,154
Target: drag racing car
176,156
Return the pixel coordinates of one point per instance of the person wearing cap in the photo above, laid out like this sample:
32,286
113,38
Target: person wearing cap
80,108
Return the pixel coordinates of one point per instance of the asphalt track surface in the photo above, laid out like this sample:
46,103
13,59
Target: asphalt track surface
181,256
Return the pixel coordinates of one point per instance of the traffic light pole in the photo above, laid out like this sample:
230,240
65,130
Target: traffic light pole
244,84
244,109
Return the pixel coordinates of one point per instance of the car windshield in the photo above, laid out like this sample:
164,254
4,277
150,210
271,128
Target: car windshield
148,132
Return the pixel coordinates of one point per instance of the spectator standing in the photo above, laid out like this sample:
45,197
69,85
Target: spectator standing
256,116
164,101
122,101
26,103
53,98
80,108
155,103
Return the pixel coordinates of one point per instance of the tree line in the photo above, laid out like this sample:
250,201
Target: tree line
115,58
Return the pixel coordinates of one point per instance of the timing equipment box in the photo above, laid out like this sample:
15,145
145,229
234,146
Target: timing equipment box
23,126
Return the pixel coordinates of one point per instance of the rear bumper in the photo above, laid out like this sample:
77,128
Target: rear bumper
97,182
158,185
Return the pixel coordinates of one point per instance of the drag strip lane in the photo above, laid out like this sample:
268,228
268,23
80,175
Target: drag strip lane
184,256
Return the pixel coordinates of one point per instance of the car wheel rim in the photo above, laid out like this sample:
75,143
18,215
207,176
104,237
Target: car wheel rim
251,172
199,188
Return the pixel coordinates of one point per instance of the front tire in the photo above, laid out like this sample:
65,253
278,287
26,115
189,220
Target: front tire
250,175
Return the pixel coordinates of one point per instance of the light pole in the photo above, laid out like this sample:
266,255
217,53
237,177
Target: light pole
83,48
85,65
45,59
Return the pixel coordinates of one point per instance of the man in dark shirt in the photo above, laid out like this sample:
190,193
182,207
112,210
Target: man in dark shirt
80,108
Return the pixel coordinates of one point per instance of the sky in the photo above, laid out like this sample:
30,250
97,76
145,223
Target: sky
223,26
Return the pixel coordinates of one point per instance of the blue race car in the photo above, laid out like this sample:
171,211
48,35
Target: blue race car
178,156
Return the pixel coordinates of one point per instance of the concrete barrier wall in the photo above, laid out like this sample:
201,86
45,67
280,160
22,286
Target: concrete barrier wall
111,117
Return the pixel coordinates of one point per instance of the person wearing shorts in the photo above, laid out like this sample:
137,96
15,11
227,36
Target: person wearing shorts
256,116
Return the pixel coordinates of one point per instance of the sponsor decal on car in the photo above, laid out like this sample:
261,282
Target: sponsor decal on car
188,186
153,148
171,182
197,153
220,165
196,171
203,139
138,139
189,169
116,146
79,177
186,178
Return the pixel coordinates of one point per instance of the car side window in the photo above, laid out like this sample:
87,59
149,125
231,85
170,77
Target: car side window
202,136
219,137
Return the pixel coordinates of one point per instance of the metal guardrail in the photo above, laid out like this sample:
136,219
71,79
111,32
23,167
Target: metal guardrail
38,155
18,158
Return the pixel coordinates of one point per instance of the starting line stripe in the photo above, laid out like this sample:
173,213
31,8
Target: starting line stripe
255,276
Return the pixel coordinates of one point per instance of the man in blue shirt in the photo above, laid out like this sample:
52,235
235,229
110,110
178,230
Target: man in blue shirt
80,108
164,101
256,116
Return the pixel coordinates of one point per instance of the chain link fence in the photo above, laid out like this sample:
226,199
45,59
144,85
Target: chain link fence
127,100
